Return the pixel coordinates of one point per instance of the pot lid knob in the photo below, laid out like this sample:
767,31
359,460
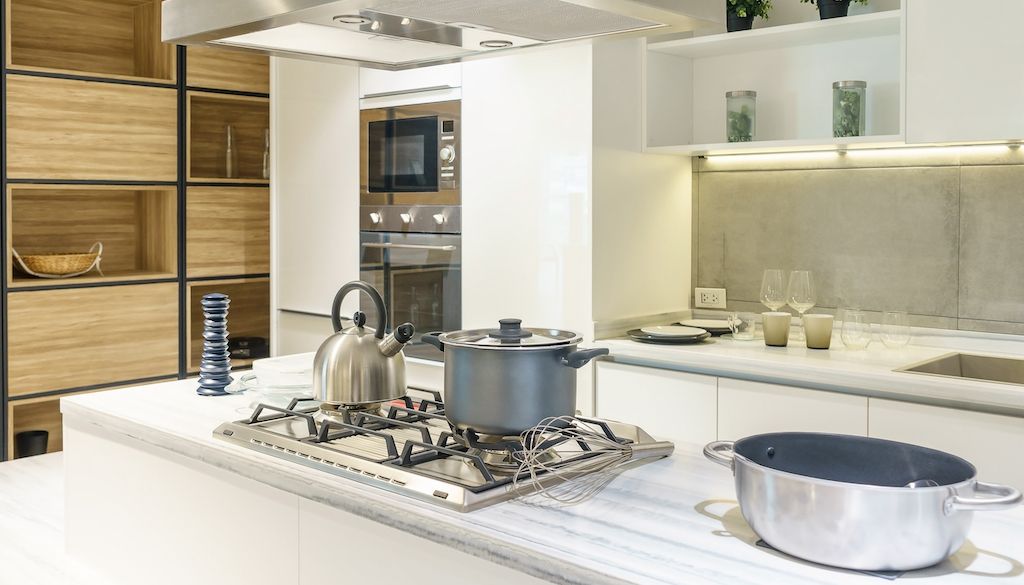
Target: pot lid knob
511,329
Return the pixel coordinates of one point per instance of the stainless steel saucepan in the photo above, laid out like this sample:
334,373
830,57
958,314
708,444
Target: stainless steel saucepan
857,502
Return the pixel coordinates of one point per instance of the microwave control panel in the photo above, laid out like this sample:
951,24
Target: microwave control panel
448,155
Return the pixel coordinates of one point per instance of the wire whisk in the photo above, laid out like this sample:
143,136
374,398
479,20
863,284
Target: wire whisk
594,455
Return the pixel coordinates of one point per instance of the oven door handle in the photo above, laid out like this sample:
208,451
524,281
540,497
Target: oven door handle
446,248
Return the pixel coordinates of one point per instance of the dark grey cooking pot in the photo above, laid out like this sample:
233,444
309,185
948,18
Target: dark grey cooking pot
856,502
501,382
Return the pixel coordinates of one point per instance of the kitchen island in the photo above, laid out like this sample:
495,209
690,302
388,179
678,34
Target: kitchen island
151,492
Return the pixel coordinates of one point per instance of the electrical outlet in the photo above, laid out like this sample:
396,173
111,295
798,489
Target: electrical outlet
709,298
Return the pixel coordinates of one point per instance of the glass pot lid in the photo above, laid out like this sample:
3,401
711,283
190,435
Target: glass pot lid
511,334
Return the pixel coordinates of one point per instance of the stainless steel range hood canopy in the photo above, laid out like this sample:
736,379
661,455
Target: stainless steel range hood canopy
404,34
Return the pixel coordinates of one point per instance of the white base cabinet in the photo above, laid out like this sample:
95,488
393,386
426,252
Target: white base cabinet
677,406
993,443
751,408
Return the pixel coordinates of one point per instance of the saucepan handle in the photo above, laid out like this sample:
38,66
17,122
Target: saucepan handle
582,357
1003,498
433,338
721,452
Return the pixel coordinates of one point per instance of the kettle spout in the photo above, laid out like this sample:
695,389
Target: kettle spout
394,342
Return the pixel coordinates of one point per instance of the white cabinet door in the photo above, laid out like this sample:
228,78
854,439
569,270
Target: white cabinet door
993,443
374,82
750,408
965,80
363,550
669,405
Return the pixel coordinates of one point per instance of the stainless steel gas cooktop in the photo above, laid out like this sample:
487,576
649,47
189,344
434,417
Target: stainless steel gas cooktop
409,448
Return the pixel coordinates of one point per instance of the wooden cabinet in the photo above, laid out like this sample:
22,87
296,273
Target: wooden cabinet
677,406
230,70
111,38
69,338
137,227
248,315
228,231
70,129
750,408
993,443
964,79
209,117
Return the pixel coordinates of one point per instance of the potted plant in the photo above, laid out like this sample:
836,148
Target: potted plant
740,13
833,8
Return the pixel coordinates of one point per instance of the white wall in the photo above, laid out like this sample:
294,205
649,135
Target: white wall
315,191
642,202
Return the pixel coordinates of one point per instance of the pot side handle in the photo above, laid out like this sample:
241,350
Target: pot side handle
1005,498
720,452
433,338
582,357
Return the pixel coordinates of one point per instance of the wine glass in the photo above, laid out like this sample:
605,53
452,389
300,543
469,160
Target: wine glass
895,329
800,293
773,295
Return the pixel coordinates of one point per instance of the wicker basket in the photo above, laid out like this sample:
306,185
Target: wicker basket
60,265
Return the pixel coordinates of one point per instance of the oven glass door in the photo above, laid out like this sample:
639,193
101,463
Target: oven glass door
420,278
402,155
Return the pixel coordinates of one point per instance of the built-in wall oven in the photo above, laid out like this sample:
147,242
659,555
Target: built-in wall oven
410,216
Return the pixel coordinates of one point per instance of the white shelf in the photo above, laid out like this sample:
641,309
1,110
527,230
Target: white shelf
770,146
833,30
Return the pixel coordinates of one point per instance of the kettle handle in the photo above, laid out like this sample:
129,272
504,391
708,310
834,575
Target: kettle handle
378,303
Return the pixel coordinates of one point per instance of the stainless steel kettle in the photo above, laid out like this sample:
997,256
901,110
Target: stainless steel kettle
359,367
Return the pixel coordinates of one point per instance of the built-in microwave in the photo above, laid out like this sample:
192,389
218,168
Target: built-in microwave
409,154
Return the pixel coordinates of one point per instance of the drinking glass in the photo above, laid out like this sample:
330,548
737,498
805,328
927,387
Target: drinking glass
895,329
800,293
743,326
856,331
773,292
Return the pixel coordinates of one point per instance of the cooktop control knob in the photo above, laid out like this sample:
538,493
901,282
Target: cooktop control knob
448,153
406,217
439,218
375,217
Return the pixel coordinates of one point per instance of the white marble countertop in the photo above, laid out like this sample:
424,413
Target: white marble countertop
32,525
673,521
867,372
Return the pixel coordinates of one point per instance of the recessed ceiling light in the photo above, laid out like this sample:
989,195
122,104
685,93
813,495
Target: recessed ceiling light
375,25
351,19
496,44
406,21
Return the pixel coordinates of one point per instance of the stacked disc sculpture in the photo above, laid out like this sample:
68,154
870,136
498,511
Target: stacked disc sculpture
215,367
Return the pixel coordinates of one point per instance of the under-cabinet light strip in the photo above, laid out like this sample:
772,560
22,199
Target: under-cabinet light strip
891,151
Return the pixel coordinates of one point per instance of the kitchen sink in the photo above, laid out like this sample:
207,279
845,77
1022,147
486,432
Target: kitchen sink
975,367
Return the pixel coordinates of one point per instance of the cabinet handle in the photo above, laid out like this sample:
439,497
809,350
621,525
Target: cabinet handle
406,91
447,248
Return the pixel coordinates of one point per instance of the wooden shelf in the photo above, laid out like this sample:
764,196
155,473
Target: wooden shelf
68,338
209,115
248,314
228,231
88,130
41,414
230,70
137,226
772,146
833,30
119,39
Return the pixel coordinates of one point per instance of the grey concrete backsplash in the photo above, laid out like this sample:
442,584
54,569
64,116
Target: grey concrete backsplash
943,242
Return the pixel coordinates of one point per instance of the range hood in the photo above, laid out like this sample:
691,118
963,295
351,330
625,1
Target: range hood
404,34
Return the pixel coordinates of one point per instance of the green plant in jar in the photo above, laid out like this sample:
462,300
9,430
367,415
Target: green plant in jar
848,108
741,125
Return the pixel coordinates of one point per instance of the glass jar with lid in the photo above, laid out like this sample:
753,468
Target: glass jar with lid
741,115
848,108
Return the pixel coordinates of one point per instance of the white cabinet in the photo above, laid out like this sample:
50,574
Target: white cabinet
364,546
964,76
993,443
677,406
750,408
377,82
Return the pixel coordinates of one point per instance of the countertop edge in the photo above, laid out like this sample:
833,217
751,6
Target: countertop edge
930,390
372,506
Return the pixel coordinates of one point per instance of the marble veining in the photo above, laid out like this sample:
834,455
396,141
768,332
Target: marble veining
867,372
669,522
32,525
